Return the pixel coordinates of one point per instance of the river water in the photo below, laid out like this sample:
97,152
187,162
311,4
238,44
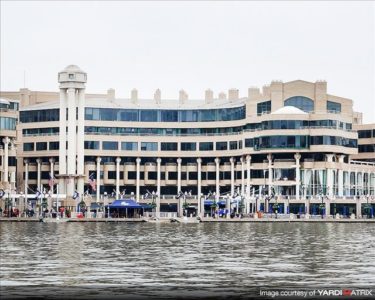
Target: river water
210,259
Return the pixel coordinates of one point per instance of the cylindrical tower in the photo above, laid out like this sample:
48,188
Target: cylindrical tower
71,156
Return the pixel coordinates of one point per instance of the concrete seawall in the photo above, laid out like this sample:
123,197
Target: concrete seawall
204,220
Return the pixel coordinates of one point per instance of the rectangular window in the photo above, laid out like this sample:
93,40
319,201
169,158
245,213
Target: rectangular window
129,146
149,146
129,115
233,145
206,146
28,147
149,115
92,145
333,107
152,175
169,116
188,146
364,134
264,107
41,146
249,143
132,175
193,175
168,146
172,175
211,175
111,174
110,145
221,146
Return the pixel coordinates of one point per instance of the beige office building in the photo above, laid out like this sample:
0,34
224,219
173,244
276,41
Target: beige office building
290,139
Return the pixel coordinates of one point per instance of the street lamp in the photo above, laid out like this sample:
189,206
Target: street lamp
321,205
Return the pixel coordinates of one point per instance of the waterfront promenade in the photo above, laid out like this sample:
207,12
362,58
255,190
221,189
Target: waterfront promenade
195,220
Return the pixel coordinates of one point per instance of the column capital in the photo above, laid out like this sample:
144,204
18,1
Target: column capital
6,140
38,161
138,160
51,160
248,157
71,90
232,160
217,160
98,159
242,159
118,160
297,156
179,160
158,160
26,161
341,158
269,157
199,160
330,157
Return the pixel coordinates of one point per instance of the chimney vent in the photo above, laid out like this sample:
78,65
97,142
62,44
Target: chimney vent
134,95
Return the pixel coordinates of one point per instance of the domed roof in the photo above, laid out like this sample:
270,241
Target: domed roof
73,68
289,110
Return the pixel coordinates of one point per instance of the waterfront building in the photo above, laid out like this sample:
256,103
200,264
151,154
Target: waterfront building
290,139
9,111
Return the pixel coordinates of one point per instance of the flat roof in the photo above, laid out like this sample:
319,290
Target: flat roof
145,104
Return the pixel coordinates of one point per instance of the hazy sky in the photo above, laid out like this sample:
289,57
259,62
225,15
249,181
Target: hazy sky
191,45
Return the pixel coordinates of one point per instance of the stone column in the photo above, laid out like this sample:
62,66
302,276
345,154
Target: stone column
52,161
71,140
98,160
269,157
358,207
242,176
232,191
118,161
138,179
341,176
368,182
329,176
217,161
179,160
248,177
39,174
297,157
80,142
199,177
62,142
6,141
158,161
26,177
356,183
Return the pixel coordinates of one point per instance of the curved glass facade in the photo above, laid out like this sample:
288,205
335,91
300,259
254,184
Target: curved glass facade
303,103
298,141
44,115
151,115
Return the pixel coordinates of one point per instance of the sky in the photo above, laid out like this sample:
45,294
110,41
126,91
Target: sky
191,46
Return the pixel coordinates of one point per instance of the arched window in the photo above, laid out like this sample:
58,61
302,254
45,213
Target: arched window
303,103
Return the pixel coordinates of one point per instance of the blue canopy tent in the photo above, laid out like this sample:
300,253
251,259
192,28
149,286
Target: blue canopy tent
126,207
210,202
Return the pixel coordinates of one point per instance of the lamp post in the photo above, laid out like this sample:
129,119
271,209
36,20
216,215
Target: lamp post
105,202
367,206
321,205
152,204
